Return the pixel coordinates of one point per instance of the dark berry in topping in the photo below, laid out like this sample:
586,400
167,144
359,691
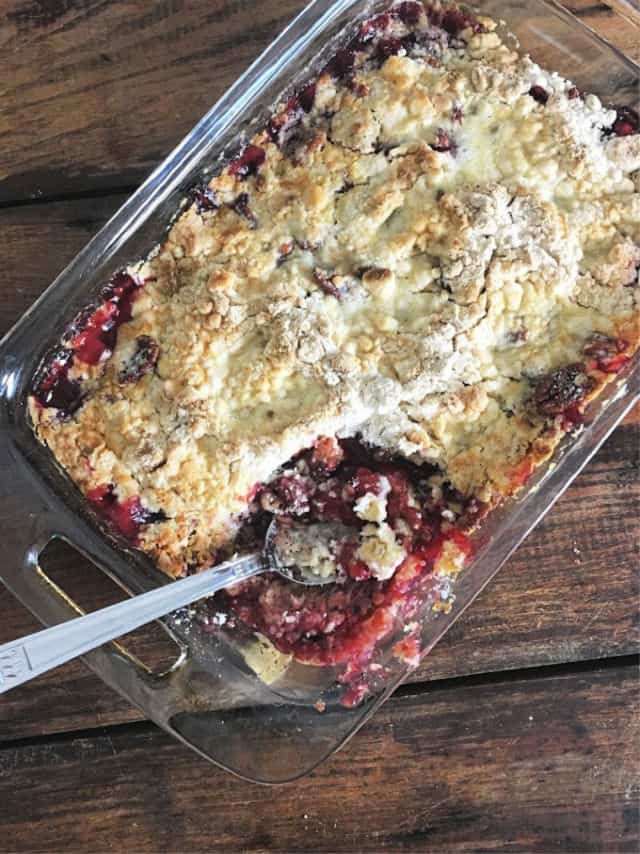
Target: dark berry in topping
326,283
409,13
241,206
204,199
454,21
307,97
308,245
55,389
573,93
517,336
248,162
284,250
444,143
572,417
372,27
143,360
558,390
126,516
388,47
341,63
98,338
457,114
539,94
281,127
608,353
122,289
627,122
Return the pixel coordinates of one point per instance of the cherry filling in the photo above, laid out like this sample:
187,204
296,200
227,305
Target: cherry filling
248,162
97,338
564,391
627,122
281,127
606,354
539,94
128,516
341,623
90,339
204,199
55,388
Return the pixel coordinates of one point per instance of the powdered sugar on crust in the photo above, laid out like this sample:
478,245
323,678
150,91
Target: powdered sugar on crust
444,225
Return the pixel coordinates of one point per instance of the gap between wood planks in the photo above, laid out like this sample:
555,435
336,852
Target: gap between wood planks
410,689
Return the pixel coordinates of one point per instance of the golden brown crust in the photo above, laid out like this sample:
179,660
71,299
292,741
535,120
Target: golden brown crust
428,242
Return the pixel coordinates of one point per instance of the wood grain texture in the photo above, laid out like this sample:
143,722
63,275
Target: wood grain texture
540,765
569,594
96,93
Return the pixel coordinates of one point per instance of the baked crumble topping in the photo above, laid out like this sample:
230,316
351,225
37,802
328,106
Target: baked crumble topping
383,314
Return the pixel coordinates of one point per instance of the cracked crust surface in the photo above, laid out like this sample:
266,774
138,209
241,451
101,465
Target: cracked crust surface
427,242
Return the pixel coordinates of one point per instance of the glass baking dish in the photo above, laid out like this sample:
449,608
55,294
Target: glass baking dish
280,726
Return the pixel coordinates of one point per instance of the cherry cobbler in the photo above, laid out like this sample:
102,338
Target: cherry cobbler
381,316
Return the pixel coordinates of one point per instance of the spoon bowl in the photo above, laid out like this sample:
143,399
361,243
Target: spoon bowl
303,554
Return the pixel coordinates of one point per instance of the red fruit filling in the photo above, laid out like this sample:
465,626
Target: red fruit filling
409,13
563,392
97,338
342,623
248,162
626,123
606,354
55,389
91,339
127,517
326,283
454,21
204,198
444,142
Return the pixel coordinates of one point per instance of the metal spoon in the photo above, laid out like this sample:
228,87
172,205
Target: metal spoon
283,553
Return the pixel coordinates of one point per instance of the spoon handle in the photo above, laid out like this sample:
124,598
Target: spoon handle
34,654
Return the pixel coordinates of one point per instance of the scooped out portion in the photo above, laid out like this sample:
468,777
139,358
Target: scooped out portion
392,531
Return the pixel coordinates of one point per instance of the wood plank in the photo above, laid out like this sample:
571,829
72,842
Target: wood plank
580,603
95,93
540,765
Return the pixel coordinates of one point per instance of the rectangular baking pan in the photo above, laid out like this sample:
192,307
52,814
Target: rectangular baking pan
212,698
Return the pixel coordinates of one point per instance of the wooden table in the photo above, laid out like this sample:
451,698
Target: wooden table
518,731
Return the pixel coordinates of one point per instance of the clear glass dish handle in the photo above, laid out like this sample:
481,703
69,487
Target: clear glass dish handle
41,651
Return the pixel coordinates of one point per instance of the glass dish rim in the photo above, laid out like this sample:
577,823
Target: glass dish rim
161,183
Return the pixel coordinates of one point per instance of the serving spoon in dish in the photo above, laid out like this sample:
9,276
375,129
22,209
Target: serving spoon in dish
300,553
